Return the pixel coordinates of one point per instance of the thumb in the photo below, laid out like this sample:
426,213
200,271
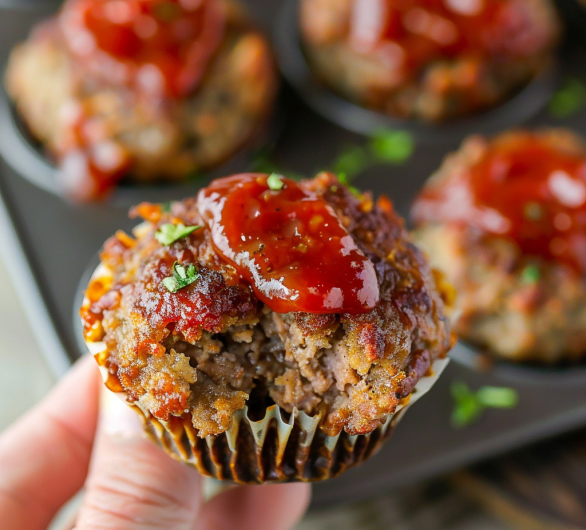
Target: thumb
132,483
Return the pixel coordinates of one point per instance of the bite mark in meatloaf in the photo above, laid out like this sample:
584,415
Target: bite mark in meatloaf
212,347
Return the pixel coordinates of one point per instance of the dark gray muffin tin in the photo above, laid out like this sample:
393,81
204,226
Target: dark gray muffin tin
48,245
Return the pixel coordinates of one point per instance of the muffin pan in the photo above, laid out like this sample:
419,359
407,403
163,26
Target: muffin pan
48,243
575,12
23,5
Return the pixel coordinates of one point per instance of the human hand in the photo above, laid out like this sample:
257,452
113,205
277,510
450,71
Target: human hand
131,484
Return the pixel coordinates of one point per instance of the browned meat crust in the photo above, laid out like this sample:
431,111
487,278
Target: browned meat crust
445,88
211,348
173,142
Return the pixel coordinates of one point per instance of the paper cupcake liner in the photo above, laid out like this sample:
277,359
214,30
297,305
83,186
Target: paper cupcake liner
281,447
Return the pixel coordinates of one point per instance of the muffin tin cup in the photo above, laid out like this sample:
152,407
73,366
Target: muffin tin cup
26,158
575,14
29,5
280,447
296,69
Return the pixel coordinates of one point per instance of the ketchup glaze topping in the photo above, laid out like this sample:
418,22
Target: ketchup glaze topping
289,245
411,33
157,47
157,50
525,190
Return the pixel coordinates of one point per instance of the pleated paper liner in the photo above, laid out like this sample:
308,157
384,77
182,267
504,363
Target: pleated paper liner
281,447
481,360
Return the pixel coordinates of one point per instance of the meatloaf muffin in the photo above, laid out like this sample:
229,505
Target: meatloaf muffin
262,291
428,59
142,89
506,220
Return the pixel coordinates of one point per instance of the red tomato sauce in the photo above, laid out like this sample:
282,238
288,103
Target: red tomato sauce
289,245
524,190
156,49
412,33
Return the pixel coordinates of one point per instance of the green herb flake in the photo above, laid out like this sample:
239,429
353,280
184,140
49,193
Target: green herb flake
169,233
498,397
275,182
533,211
568,99
469,406
181,277
166,206
166,11
530,275
395,147
355,191
351,162
343,179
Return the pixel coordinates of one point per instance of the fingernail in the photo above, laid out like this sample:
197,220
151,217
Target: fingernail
117,418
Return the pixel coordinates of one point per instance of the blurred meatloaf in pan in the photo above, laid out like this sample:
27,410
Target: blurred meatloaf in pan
505,218
268,330
142,90
432,60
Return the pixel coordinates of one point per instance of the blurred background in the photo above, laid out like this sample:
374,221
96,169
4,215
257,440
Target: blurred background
538,479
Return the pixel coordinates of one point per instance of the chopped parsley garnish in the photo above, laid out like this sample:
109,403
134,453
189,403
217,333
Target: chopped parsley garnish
533,211
166,11
391,146
497,397
568,99
181,278
274,182
351,162
530,274
170,233
387,146
343,179
166,206
469,405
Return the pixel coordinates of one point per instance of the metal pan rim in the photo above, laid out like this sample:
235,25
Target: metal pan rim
473,358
